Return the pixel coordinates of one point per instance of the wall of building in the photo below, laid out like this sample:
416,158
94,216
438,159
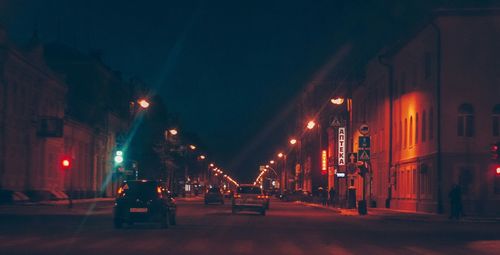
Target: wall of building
470,60
459,56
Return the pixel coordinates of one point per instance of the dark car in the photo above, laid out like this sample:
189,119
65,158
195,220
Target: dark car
296,195
214,195
228,193
144,201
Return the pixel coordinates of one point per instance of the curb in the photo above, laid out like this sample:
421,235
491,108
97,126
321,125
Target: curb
76,201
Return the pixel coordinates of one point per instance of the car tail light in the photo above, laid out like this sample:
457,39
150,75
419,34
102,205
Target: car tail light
158,190
261,196
237,195
120,191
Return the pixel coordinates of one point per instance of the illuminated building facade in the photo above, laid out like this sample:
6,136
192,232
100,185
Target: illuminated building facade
432,104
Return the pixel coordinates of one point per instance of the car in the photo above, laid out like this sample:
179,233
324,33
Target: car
228,193
144,201
296,195
249,198
214,195
267,200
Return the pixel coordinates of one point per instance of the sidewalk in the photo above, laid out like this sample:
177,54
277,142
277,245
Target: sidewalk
61,202
392,214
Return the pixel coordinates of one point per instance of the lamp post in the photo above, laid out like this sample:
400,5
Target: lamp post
284,175
298,146
349,145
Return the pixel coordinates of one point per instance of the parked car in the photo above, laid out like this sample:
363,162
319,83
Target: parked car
144,201
228,193
296,195
214,195
249,198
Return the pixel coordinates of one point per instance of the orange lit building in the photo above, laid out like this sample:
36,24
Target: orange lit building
432,105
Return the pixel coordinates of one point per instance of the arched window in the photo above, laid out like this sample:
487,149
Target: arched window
465,120
431,124
411,131
495,118
416,128
424,126
405,137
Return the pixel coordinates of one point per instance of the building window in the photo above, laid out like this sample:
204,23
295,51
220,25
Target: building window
465,120
411,131
416,128
431,124
405,137
427,65
401,133
495,118
424,126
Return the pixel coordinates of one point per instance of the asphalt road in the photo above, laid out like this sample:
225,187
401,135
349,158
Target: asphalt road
288,228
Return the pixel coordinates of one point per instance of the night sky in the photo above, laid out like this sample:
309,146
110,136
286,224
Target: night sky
228,68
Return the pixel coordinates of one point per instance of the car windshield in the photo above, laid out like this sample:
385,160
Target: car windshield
140,189
249,190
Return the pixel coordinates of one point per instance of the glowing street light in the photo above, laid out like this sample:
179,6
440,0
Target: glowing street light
293,141
337,100
192,147
280,155
173,131
271,162
212,165
311,124
143,103
202,157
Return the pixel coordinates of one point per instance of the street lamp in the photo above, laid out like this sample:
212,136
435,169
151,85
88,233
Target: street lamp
311,124
192,147
143,103
293,141
173,131
271,162
284,177
337,100
202,157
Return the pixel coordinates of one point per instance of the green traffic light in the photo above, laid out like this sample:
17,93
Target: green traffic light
119,157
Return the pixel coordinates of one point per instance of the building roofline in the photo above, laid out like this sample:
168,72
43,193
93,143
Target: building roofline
437,13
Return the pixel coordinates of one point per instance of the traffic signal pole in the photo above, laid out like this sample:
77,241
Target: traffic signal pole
70,195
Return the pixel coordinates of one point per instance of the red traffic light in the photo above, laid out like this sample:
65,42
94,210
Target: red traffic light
495,151
65,163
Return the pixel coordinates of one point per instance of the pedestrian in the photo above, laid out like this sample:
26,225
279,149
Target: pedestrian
455,196
332,196
322,195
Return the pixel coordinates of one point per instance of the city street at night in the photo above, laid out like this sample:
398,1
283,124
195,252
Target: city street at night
228,127
288,228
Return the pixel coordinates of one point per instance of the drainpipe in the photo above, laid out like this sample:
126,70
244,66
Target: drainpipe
390,71
3,115
438,116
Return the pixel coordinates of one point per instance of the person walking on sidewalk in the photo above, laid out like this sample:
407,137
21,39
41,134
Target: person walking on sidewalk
323,196
455,196
332,196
